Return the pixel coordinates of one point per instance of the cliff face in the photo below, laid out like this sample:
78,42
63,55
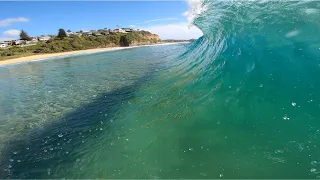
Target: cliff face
144,38
153,37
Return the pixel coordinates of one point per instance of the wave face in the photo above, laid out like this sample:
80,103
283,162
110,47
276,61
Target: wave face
257,69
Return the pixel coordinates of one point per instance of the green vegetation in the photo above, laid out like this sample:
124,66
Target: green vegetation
73,43
24,36
62,34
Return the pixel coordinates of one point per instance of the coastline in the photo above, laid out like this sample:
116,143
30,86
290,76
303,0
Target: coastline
40,57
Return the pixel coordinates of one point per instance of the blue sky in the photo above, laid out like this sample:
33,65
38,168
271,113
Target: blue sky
38,18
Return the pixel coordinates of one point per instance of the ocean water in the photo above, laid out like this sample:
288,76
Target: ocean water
243,101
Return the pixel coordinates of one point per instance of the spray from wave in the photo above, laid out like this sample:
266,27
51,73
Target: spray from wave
239,34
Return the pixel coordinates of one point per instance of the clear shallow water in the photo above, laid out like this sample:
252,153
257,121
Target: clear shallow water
240,102
48,101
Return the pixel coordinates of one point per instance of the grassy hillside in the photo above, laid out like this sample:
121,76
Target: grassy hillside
74,43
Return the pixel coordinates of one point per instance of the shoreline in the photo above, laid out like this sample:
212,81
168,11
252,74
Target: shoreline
41,57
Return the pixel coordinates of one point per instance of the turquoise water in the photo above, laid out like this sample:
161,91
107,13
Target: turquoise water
240,102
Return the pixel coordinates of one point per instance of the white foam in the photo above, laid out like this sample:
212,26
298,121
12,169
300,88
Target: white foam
312,11
196,7
292,33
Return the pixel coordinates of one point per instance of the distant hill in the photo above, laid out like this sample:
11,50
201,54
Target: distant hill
175,40
73,43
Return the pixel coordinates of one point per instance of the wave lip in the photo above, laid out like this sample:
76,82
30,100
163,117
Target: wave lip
196,7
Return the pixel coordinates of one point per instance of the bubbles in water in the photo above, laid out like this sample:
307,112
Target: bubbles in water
261,85
313,170
48,171
279,151
221,175
313,163
286,118
60,135
312,11
292,33
15,152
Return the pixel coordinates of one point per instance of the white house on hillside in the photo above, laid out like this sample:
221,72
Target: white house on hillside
69,33
7,42
34,40
19,42
3,45
44,38
128,29
119,31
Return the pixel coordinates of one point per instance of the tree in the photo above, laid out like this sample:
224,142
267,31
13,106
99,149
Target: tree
62,34
69,31
124,41
24,36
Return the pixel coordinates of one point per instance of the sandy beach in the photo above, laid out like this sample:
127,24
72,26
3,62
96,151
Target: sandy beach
52,55
62,54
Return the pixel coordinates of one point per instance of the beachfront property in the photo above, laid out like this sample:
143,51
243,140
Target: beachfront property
73,33
86,33
7,42
128,29
70,33
34,40
19,42
44,38
3,45
119,30
78,33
